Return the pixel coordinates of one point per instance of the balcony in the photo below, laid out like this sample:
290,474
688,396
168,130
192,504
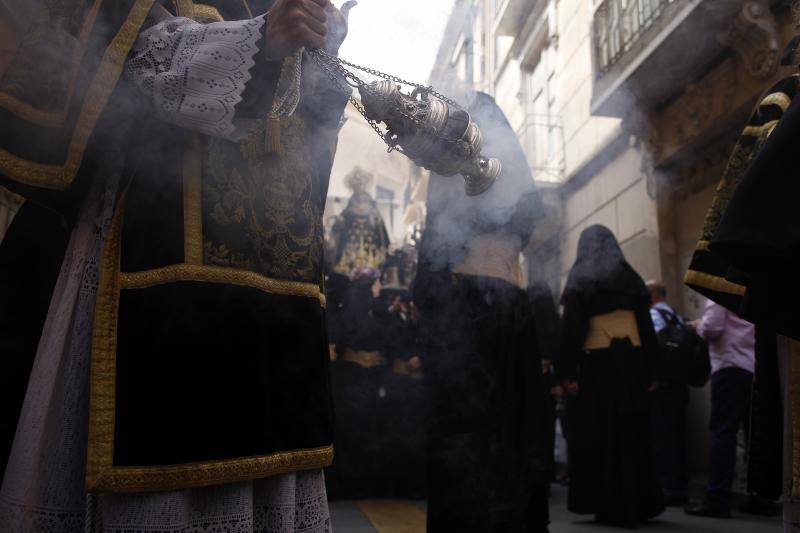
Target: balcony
647,51
510,15
618,24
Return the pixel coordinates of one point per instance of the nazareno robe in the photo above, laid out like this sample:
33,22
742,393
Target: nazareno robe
483,379
356,387
548,327
612,474
746,256
209,353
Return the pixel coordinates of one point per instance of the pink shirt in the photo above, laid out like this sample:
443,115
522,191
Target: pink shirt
731,340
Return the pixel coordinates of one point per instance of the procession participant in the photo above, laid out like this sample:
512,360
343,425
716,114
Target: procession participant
548,327
483,372
608,354
358,389
187,158
359,235
746,264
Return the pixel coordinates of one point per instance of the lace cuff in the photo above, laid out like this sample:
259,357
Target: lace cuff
195,73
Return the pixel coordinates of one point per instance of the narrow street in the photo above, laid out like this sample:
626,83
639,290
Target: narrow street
400,516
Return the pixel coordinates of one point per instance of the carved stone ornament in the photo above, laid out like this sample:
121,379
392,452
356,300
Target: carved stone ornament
753,34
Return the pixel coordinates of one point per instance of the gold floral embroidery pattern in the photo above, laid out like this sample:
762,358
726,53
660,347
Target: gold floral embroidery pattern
749,144
263,212
101,474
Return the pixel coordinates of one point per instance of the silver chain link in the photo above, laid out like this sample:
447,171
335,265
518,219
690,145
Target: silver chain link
333,65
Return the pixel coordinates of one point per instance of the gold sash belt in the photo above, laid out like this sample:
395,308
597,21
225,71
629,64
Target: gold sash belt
364,358
619,324
492,255
404,368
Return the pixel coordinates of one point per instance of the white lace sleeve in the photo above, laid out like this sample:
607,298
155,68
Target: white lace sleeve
196,73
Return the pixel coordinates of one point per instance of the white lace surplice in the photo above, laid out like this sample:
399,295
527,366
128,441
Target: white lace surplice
194,74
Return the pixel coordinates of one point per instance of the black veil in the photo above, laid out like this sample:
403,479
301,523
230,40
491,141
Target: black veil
601,267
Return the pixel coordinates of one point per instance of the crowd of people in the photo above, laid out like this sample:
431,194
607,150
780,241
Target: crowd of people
176,356
616,368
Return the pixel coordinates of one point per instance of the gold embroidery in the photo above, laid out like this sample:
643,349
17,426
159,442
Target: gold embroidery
364,358
55,118
264,212
702,245
781,100
192,197
714,283
213,274
204,474
60,176
763,129
185,8
247,8
206,13
101,474
102,387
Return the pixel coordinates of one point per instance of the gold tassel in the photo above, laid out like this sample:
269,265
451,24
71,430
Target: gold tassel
272,136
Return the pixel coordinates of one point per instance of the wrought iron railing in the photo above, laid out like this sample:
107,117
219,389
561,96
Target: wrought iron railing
618,24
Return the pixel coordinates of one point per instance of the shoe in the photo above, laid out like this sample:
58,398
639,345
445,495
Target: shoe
673,500
704,509
758,506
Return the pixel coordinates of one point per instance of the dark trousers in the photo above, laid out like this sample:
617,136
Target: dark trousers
668,424
730,408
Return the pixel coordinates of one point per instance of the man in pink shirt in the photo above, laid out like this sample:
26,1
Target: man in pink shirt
731,346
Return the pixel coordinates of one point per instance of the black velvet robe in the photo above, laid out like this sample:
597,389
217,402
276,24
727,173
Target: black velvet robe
747,255
210,353
483,384
612,474
361,442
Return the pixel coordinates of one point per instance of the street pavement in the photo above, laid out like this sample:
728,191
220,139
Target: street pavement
398,516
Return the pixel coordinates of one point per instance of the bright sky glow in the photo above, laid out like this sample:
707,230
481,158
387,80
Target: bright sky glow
399,37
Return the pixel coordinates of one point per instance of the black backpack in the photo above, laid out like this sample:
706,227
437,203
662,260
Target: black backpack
684,355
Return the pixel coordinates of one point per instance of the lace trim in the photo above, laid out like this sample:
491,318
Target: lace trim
195,73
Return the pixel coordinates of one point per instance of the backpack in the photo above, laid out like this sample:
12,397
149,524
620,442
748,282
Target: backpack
684,355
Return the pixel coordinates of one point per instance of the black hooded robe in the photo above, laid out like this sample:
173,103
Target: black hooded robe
612,474
483,373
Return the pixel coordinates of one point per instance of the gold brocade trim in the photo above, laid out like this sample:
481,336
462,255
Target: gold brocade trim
192,200
206,13
33,114
404,368
185,8
215,274
794,406
758,131
102,382
204,474
781,100
492,255
364,358
58,177
603,329
101,474
702,246
714,283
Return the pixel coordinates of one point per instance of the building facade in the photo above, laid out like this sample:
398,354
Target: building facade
628,111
